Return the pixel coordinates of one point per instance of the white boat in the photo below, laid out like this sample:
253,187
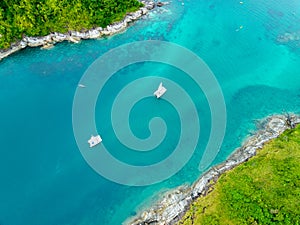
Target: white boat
81,85
160,90
94,140
74,39
47,46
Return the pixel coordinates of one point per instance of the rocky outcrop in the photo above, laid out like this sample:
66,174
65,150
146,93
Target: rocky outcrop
160,4
170,207
288,37
173,204
76,36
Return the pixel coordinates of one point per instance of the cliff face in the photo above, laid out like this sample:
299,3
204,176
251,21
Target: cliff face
174,203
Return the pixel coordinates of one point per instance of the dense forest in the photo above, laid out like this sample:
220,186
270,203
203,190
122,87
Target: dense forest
265,190
40,17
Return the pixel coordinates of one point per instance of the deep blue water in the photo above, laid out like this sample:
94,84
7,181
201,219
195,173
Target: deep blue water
44,178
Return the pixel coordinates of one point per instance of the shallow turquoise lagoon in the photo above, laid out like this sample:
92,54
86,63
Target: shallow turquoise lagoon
44,178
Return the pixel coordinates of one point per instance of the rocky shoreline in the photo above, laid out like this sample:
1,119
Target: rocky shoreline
75,36
172,206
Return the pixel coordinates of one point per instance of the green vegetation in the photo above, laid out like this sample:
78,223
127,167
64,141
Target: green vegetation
40,17
265,190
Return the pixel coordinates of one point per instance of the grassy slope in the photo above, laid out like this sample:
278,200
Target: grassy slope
264,190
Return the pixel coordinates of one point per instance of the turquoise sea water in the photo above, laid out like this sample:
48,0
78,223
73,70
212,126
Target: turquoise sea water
45,180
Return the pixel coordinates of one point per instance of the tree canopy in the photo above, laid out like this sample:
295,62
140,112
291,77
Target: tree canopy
40,17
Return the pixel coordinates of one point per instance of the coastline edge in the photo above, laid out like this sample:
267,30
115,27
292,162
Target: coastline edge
48,41
173,204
